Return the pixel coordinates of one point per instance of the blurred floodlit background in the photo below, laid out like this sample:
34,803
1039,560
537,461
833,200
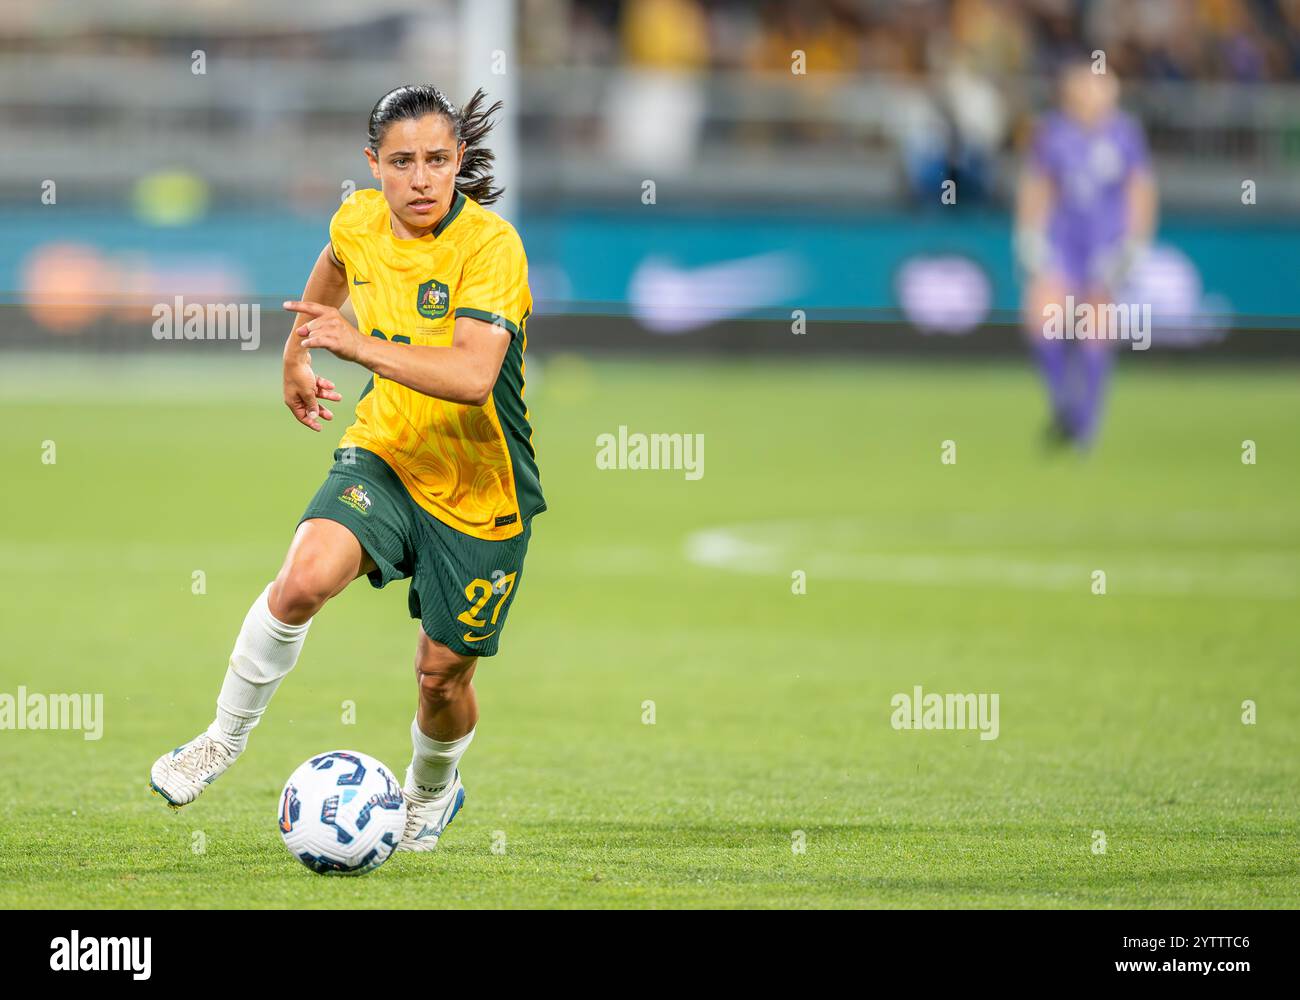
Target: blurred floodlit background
675,166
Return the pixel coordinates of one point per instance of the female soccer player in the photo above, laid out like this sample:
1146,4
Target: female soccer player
1085,212
436,479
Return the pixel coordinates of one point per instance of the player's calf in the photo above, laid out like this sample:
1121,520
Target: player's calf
265,651
448,710
322,560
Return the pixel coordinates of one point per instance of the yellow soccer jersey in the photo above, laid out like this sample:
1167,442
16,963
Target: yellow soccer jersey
472,467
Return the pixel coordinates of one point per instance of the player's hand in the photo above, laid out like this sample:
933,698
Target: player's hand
1115,268
327,329
303,390
1032,253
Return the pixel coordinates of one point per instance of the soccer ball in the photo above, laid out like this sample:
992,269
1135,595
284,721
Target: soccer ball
342,813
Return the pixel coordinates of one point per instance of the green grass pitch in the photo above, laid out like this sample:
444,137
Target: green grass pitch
1120,713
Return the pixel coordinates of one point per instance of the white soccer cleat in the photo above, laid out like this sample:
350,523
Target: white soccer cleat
426,818
181,775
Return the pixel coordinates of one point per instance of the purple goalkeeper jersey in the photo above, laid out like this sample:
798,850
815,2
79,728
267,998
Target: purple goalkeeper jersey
1089,169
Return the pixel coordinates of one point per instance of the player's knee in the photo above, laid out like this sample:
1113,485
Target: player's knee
444,675
301,589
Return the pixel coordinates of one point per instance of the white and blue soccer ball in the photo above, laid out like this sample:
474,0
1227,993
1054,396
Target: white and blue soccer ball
342,813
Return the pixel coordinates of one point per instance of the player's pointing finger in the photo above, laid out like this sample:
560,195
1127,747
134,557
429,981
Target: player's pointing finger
307,308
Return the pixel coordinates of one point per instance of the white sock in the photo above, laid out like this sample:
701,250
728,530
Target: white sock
264,653
433,763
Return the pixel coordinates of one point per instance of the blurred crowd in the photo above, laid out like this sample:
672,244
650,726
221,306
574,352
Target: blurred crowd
1239,40
963,80
1234,40
880,97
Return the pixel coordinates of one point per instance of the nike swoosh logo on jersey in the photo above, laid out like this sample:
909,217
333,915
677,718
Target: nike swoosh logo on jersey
471,637
355,282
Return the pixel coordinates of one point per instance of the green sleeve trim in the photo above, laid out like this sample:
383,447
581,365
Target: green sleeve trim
496,319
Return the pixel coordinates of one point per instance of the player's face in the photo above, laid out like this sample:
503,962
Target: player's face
1089,97
416,168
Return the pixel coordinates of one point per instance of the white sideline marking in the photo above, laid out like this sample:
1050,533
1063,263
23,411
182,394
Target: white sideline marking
843,550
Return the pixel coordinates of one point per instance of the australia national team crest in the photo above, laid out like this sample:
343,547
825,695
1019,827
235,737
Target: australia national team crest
432,299
356,498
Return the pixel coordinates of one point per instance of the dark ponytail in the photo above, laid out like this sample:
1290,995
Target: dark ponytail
470,124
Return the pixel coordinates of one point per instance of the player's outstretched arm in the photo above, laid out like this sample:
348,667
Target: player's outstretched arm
462,373
303,389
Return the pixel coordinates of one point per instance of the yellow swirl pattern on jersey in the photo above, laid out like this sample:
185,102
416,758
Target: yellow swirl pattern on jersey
472,467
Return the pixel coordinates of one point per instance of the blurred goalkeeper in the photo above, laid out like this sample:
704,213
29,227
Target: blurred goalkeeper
1085,213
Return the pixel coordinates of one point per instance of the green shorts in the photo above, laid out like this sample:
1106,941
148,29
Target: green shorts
461,587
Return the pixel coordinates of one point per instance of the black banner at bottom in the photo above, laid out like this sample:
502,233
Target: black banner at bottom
1222,949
